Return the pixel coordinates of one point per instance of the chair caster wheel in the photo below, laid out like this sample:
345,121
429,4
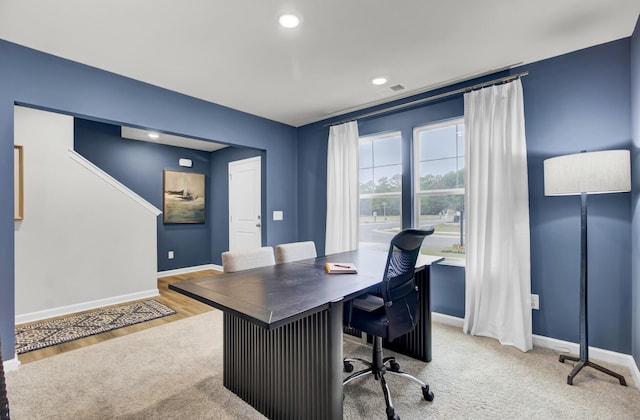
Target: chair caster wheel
391,414
428,395
348,367
394,367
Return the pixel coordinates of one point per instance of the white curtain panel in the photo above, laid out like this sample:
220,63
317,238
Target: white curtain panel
498,279
342,188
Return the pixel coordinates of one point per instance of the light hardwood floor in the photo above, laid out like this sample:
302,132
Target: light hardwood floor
183,305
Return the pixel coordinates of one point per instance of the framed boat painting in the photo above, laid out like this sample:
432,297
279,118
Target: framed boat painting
184,197
18,183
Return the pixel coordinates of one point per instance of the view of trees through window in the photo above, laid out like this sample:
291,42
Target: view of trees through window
439,189
380,189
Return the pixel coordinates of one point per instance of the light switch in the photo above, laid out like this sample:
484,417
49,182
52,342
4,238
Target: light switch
278,215
170,255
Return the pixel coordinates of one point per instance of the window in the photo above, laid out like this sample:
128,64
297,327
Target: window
439,186
380,189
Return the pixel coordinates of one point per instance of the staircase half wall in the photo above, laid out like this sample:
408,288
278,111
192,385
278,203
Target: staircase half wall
85,240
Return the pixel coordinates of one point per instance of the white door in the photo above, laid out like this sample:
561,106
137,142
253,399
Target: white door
245,199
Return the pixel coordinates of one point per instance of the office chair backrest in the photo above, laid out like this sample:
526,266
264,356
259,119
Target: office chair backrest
295,251
246,259
399,290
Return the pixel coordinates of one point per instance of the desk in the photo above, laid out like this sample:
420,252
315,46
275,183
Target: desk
283,331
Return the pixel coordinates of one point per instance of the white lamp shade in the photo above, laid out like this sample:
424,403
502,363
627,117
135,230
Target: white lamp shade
592,173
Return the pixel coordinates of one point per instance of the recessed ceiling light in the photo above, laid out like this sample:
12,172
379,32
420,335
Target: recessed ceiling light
289,21
154,135
379,81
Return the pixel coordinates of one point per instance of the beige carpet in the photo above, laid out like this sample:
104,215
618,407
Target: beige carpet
174,372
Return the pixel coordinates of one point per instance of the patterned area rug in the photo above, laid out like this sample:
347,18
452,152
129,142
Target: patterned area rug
49,333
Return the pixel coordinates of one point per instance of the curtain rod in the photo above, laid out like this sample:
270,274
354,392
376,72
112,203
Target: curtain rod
431,98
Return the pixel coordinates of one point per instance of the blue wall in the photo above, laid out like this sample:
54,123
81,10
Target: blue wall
635,207
577,101
447,290
139,165
36,79
572,102
580,101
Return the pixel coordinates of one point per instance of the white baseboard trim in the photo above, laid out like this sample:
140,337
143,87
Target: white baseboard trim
85,306
595,353
447,319
9,365
186,270
608,356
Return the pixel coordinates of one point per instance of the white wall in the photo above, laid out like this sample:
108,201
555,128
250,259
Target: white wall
83,243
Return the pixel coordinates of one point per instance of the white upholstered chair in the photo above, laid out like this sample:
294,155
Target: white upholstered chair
295,251
247,258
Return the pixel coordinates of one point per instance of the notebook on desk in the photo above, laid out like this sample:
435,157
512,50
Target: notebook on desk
340,268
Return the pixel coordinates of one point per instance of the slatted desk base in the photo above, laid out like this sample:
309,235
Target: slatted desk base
417,343
291,372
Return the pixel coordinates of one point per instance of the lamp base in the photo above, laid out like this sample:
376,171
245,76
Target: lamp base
583,363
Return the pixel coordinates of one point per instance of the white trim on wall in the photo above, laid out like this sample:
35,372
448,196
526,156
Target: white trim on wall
113,182
186,270
608,356
85,306
12,364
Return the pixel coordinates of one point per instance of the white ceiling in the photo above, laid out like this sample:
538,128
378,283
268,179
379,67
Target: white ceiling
234,53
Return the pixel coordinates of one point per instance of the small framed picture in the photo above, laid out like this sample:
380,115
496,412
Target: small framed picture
184,197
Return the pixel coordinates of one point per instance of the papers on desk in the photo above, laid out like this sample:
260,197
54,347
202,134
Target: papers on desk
340,268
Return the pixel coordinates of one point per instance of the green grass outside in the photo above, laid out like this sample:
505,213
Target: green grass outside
439,253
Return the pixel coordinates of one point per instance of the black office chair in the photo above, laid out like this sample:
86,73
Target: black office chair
394,314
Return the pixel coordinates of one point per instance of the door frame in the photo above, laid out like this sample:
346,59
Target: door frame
259,158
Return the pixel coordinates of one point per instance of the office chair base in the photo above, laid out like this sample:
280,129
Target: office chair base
378,369
583,363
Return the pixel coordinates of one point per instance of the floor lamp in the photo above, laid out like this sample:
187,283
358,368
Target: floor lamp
582,174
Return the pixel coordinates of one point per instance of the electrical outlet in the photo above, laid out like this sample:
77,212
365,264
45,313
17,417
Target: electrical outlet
535,302
170,256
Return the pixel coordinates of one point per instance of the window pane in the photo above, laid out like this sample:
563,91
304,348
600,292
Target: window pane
441,174
438,143
379,220
366,181
387,151
380,173
444,213
366,154
438,167
388,179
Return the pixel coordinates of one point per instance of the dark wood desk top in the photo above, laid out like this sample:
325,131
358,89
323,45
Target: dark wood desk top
368,262
276,295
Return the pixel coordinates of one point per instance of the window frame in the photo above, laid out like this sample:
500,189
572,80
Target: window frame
371,196
418,193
